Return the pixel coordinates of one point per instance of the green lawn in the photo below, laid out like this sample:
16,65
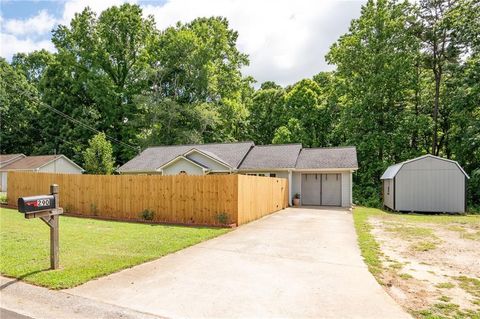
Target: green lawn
88,248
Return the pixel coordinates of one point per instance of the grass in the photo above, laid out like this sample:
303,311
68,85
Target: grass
88,248
423,246
369,247
445,285
470,285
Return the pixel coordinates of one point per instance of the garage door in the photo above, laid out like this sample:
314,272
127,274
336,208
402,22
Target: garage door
322,189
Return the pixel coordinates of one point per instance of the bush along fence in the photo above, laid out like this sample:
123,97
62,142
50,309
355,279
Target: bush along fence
181,199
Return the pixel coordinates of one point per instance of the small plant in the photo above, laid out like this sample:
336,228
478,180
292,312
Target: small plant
3,198
405,276
93,208
297,196
445,298
222,218
445,285
147,214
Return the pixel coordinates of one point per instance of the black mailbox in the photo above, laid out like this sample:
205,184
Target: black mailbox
33,204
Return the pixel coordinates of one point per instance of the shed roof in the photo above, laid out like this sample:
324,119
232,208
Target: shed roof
393,170
154,157
333,157
272,156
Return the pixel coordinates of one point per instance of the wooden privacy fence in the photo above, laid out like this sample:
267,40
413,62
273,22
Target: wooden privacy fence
201,200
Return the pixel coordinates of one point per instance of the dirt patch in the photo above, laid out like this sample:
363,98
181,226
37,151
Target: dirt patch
431,269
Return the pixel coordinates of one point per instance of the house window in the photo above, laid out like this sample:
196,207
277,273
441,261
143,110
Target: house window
273,175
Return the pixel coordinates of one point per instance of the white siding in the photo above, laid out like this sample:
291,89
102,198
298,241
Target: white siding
346,189
60,165
296,183
213,165
182,165
430,185
388,190
3,181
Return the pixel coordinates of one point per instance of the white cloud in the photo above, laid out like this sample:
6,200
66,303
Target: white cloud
76,6
42,23
286,40
10,44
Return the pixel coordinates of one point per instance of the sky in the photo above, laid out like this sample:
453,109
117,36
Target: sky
286,40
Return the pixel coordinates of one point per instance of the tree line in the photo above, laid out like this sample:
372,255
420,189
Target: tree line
406,83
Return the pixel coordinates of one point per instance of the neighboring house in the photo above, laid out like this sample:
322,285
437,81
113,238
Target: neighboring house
44,164
323,176
425,184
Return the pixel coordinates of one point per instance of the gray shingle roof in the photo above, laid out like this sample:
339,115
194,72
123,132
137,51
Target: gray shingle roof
272,156
154,157
335,157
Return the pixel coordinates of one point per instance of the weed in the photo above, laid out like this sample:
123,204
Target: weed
222,218
423,246
470,285
405,276
147,214
444,298
445,285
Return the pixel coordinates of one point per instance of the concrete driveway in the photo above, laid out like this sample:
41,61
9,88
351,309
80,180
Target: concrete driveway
298,263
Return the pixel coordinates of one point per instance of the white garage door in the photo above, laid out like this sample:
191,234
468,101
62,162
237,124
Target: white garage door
322,189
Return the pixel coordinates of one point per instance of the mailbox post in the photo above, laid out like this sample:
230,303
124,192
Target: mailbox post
46,207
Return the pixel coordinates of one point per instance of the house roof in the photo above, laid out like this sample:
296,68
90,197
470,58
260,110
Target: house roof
334,157
393,170
34,162
271,156
154,157
8,158
30,162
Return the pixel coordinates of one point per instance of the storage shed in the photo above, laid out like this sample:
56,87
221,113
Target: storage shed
425,184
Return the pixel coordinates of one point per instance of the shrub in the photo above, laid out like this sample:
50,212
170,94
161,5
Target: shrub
147,214
222,218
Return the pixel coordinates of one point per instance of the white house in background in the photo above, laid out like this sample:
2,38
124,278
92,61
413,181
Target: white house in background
322,176
425,184
44,164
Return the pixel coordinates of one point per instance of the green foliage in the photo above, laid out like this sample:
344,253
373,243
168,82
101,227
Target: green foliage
222,218
405,84
98,157
147,215
89,248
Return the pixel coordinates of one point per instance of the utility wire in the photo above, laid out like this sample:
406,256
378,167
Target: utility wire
68,117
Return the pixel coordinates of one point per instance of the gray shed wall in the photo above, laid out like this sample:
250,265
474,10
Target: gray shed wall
388,195
430,185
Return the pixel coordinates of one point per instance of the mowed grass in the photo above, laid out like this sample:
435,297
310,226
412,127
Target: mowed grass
88,248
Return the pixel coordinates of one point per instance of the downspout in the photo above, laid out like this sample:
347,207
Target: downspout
290,196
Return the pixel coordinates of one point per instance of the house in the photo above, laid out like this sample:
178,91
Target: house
425,184
322,176
45,164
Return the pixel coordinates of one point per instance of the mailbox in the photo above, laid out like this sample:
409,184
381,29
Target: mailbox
34,204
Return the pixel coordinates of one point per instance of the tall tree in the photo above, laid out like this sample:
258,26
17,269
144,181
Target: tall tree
110,59
375,61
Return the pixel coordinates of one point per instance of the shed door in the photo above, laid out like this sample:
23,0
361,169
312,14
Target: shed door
331,189
311,189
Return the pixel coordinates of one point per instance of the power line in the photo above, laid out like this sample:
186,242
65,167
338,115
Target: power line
68,117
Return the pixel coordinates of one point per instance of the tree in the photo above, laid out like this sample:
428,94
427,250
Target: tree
267,112
98,157
375,66
106,62
19,104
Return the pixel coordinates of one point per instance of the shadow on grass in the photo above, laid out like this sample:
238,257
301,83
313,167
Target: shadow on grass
21,277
